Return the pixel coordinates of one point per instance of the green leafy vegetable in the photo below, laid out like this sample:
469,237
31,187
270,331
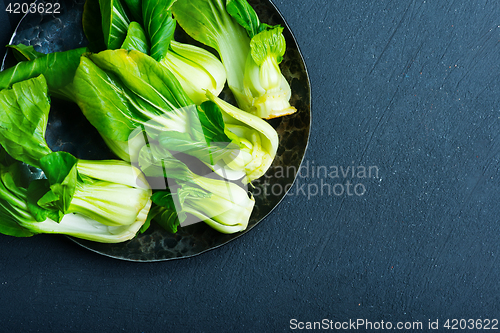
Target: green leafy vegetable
135,9
36,190
221,204
164,211
111,193
263,78
23,120
245,15
13,207
196,69
159,25
114,23
136,39
92,25
16,219
258,141
60,170
152,99
24,52
258,86
120,91
127,95
208,22
58,69
124,94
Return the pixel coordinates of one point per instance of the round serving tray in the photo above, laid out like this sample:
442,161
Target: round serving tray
68,130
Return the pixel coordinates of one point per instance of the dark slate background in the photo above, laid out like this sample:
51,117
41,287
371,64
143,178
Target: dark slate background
409,86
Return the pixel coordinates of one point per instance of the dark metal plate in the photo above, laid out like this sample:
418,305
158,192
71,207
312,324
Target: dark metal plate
68,130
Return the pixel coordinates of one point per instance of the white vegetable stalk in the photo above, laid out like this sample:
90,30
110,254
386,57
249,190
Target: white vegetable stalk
227,209
267,92
119,172
13,207
80,226
112,192
267,89
259,139
196,69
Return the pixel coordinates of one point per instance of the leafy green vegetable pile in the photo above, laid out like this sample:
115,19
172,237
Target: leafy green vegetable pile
155,103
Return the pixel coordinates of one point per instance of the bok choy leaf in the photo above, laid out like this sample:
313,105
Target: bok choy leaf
17,220
115,23
112,193
58,69
128,96
221,204
23,119
136,39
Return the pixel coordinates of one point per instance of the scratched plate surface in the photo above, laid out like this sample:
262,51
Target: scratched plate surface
68,130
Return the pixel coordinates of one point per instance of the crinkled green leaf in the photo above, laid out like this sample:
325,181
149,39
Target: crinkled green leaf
165,211
167,219
212,122
13,209
103,101
9,224
269,43
36,190
57,166
23,120
10,179
164,199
